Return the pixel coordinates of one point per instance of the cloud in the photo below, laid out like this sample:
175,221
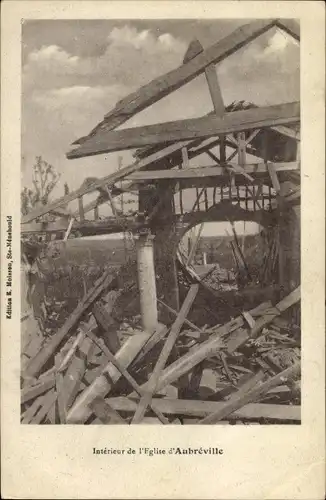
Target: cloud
53,53
278,43
131,57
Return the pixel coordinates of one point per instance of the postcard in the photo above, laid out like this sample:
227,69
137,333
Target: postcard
162,250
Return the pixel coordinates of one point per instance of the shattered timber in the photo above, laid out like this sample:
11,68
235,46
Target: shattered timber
193,353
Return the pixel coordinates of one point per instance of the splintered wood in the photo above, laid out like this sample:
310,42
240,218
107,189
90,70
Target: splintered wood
247,370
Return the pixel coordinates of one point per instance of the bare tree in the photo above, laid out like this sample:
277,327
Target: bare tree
45,178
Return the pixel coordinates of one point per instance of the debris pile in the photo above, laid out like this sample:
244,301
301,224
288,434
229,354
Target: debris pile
102,367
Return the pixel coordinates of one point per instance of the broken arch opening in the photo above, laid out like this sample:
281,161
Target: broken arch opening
231,255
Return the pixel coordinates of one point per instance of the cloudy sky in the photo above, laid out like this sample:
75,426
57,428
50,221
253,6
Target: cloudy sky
74,72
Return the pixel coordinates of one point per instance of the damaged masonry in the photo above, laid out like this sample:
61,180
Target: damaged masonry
173,336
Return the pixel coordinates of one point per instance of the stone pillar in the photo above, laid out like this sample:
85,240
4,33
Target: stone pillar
164,229
204,258
146,281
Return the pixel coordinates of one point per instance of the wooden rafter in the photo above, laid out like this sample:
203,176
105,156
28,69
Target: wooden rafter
164,85
183,130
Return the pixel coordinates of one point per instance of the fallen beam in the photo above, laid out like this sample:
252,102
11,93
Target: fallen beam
182,130
36,364
165,353
237,336
80,411
238,400
194,408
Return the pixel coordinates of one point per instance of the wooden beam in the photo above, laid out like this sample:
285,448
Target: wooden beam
101,386
212,156
32,392
164,85
214,89
207,126
252,411
212,171
106,413
274,178
290,26
76,371
189,323
185,158
81,208
66,236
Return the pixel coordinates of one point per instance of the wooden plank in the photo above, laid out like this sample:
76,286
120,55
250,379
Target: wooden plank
36,364
67,358
47,403
106,413
32,410
101,386
249,319
185,158
194,48
213,157
195,408
186,321
193,128
104,320
36,390
238,400
157,336
60,390
241,149
51,415
274,178
76,370
212,171
68,229
214,89
165,353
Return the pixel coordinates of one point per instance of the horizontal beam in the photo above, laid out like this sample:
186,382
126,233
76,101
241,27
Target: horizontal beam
165,84
203,408
108,225
194,128
211,171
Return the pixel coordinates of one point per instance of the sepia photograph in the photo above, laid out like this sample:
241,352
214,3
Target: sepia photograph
160,226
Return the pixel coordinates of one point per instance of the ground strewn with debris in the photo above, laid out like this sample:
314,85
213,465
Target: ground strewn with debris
101,366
